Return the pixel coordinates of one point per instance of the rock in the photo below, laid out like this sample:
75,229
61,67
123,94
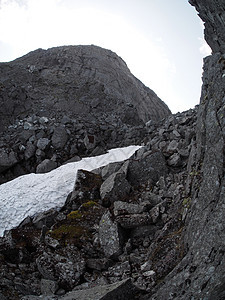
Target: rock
42,297
99,96
150,167
2,297
42,143
119,271
109,236
7,160
48,287
115,187
151,198
90,141
120,290
59,137
99,264
61,269
46,165
143,231
167,234
39,153
73,159
86,188
172,147
109,169
149,273
28,126
66,120
43,120
146,266
175,160
46,218
157,211
212,14
134,220
50,242
124,208
29,151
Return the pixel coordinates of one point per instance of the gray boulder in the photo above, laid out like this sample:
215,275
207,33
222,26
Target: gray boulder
148,168
134,220
114,188
109,236
29,151
7,159
42,143
48,287
121,290
124,208
59,137
46,165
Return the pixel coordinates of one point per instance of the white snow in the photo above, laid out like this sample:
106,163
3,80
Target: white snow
34,193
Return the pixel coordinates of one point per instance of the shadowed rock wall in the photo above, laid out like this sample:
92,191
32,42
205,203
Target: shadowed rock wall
201,273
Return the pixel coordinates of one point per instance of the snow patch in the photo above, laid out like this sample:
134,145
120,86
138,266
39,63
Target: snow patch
35,193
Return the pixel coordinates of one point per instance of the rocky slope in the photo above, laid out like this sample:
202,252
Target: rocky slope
120,228
149,228
67,101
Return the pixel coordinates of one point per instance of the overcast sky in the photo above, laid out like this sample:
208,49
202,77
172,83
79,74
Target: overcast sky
160,40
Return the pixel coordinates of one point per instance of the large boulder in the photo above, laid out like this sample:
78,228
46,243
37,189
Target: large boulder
114,188
46,165
148,168
7,159
110,236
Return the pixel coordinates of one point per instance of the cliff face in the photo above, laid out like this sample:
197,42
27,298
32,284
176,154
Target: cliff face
212,14
201,273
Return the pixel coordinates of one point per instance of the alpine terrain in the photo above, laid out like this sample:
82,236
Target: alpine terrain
147,226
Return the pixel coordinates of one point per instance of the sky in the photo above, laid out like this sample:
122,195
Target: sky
48,190
160,40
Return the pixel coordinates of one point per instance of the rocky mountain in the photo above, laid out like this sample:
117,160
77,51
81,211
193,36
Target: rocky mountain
68,101
149,228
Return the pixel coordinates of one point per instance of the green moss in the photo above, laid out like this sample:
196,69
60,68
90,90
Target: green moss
76,214
186,202
194,173
68,231
89,204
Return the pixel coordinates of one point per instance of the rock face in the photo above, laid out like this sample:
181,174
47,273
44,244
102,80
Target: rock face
67,101
201,273
212,14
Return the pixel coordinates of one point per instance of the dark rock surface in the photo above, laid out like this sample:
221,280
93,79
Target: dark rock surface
212,14
67,101
201,273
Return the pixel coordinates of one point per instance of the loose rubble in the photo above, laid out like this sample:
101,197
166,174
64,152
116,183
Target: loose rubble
116,225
